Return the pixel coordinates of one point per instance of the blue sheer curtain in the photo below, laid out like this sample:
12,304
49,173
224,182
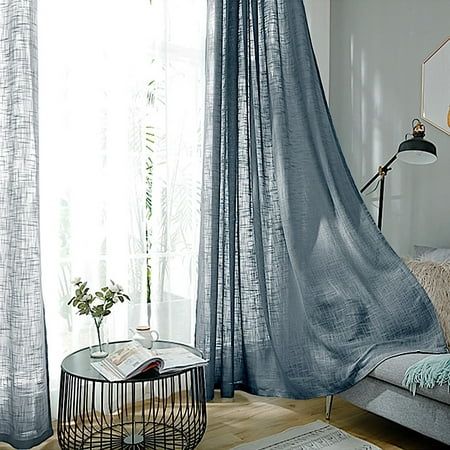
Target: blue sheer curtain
24,401
299,293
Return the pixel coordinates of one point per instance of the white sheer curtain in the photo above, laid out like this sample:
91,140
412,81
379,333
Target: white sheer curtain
177,118
121,96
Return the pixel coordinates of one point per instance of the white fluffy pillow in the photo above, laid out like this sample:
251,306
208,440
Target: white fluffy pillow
435,279
432,254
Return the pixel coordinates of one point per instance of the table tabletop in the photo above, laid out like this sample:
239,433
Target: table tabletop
78,363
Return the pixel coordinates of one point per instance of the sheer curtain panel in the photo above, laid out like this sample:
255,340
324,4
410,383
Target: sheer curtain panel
24,399
299,293
177,124
121,102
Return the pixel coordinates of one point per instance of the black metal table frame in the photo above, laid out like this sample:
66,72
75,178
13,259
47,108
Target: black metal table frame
150,412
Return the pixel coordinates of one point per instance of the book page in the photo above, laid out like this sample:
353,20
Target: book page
178,358
124,362
132,359
129,358
107,371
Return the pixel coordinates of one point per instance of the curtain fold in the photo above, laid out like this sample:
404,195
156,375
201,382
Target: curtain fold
299,294
24,400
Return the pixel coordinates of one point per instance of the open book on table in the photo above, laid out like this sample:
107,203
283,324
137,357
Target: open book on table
132,359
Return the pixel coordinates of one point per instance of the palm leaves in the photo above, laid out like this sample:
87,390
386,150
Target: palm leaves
150,139
149,142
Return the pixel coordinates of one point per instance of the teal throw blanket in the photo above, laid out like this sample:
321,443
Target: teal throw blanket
429,372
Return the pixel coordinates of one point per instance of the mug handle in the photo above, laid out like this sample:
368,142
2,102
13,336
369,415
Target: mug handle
156,333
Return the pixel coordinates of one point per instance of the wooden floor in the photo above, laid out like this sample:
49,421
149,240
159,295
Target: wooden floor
247,417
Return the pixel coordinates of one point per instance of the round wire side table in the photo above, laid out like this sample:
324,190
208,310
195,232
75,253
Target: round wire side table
147,412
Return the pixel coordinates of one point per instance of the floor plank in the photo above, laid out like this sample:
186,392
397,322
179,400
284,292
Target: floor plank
247,417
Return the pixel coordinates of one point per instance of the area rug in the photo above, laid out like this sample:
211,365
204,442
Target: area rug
315,435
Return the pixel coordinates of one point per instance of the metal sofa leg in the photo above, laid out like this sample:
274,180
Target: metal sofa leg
328,405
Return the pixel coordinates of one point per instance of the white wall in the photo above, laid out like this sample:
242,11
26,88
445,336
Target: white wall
318,14
376,52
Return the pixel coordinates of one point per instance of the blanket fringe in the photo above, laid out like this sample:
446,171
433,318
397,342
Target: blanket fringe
427,373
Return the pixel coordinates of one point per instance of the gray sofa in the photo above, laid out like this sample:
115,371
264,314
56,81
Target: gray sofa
382,393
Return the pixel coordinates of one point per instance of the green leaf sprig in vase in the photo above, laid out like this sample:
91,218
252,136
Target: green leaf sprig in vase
97,305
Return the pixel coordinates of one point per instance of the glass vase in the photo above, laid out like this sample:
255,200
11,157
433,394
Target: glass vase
99,340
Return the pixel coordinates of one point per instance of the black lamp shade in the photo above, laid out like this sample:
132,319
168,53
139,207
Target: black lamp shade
417,151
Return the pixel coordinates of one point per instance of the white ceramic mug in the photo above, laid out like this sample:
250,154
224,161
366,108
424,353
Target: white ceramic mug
145,336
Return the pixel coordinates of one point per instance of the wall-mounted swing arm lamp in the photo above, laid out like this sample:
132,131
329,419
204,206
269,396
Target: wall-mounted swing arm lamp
415,150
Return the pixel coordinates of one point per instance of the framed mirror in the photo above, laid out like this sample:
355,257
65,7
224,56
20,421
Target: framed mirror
436,87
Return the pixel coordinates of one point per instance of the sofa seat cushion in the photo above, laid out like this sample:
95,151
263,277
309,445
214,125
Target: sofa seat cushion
393,370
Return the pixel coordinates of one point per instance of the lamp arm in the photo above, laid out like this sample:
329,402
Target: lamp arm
382,171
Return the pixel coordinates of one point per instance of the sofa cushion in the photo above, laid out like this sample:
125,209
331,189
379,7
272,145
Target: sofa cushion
393,370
